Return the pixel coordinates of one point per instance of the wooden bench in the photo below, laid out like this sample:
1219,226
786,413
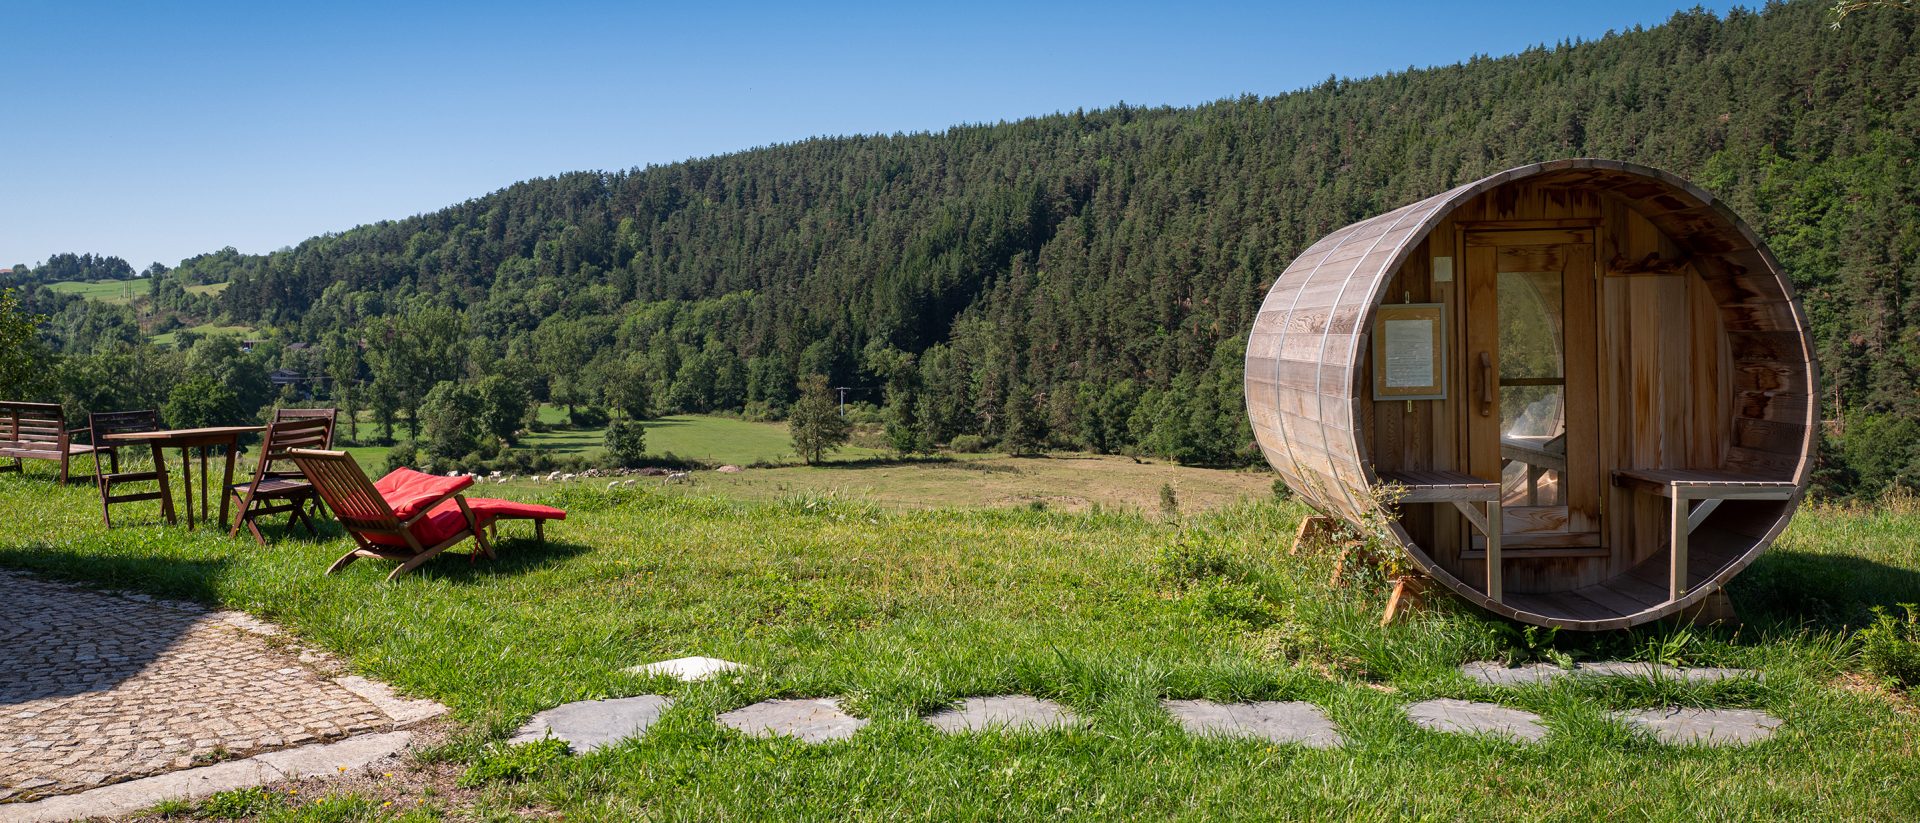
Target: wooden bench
1461,491
1709,486
37,431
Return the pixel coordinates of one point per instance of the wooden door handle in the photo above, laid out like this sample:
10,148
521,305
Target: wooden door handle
1486,384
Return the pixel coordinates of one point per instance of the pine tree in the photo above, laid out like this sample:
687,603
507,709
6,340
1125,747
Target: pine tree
815,422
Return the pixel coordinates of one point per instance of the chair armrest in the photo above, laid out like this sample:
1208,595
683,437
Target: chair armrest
69,433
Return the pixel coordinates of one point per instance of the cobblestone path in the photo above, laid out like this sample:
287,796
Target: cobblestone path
97,688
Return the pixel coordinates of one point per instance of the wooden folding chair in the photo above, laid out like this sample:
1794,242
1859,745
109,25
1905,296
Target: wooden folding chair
329,415
412,527
101,424
310,414
280,490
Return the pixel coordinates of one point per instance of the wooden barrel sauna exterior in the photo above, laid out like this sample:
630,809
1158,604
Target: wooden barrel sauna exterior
1622,376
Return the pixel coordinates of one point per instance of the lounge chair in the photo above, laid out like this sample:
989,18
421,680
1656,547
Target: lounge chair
407,515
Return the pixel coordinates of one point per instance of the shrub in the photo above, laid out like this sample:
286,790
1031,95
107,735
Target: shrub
588,417
626,443
1169,502
405,454
968,444
513,763
1191,558
1890,647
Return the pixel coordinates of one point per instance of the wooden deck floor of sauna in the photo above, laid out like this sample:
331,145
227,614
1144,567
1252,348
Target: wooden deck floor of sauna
1611,604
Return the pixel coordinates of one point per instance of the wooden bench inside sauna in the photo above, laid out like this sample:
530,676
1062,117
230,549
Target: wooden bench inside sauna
1588,383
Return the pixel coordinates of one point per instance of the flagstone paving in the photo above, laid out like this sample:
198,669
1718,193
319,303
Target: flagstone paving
1463,717
1292,722
689,669
594,724
97,688
1496,674
1707,727
811,721
1015,712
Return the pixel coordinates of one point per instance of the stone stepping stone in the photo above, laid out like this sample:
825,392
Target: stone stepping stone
811,721
1495,674
1293,722
1013,712
1706,727
689,669
595,724
1463,717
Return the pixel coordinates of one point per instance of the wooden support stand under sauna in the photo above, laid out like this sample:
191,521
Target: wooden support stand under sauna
1588,385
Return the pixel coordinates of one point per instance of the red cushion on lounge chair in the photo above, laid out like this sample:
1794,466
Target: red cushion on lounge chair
490,508
407,490
446,521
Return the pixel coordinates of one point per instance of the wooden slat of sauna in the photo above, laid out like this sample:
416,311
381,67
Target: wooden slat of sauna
1707,406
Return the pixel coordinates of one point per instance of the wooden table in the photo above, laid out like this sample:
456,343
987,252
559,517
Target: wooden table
185,440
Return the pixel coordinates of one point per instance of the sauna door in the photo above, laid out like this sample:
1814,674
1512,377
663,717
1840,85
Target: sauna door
1532,410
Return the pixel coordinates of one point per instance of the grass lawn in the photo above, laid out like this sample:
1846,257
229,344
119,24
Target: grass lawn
900,612
121,292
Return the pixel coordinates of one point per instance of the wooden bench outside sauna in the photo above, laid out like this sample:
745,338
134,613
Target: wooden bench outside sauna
1602,353
1683,487
38,431
1461,491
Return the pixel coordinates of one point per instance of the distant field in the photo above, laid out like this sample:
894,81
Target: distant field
208,288
120,292
1060,482
695,437
206,330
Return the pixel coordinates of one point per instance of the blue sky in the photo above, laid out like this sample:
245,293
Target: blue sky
156,131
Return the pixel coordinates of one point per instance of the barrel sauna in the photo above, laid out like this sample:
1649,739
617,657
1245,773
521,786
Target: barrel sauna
1579,394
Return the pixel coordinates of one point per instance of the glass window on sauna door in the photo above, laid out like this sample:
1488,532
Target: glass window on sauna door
1533,389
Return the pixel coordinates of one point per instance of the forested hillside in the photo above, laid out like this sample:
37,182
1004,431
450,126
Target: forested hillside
62,267
1086,279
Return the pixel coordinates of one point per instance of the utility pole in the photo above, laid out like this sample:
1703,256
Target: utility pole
843,398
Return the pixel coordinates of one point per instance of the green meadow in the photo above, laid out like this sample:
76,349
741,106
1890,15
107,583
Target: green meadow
206,330
704,438
902,611
121,292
